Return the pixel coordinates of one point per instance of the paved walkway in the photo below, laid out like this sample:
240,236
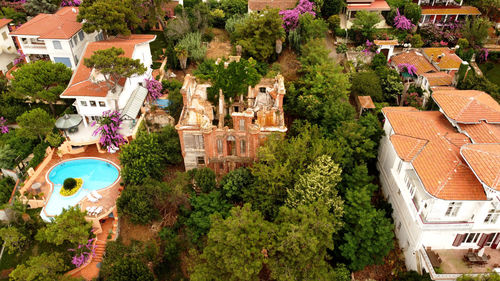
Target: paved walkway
330,45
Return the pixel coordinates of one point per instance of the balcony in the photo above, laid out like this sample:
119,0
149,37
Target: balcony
84,135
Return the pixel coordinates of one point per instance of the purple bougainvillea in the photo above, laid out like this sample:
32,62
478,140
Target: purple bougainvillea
3,127
83,253
291,17
154,89
482,55
406,67
108,130
368,48
401,22
66,3
19,59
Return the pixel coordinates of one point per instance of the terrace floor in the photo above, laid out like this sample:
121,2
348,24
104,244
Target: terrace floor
84,134
452,261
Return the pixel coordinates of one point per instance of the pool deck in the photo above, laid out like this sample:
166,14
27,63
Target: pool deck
109,194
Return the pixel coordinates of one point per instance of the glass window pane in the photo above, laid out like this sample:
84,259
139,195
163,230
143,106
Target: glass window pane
57,44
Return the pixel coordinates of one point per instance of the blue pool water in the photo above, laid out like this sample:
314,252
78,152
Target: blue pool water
96,174
163,103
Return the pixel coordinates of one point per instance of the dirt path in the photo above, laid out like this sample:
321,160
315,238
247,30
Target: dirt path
330,44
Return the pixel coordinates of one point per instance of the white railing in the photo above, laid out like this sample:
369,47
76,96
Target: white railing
35,46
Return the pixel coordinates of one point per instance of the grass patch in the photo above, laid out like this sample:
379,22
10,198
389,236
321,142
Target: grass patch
491,71
157,45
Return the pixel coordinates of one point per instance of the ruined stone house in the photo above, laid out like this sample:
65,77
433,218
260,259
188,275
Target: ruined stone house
226,136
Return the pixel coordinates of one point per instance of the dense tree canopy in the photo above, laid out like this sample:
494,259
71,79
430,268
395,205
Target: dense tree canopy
35,7
70,226
42,267
34,124
130,269
137,202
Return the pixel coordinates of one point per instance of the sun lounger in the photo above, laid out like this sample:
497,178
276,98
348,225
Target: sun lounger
98,210
91,198
90,210
96,195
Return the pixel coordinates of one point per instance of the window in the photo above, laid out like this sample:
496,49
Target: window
75,40
219,146
92,103
471,237
71,43
400,165
492,215
4,35
243,147
102,104
236,109
262,89
80,35
242,124
65,61
198,140
453,208
83,103
200,160
409,185
57,44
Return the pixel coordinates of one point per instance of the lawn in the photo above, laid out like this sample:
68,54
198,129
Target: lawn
491,71
157,45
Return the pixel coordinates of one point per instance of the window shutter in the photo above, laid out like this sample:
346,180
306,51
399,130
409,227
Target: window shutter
482,240
458,240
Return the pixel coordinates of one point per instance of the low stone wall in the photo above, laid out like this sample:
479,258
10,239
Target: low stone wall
32,177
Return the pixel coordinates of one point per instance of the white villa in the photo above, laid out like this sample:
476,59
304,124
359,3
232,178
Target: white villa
93,97
440,170
58,37
8,51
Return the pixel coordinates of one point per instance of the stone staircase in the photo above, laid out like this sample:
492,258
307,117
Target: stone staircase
99,251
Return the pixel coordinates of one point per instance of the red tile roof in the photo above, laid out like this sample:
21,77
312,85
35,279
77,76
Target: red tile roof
443,57
385,42
438,78
484,160
4,22
415,58
482,132
377,5
259,5
80,84
468,106
431,144
366,102
463,10
61,25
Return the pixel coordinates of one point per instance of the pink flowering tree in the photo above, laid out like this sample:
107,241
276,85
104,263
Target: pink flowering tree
401,22
108,130
83,253
154,89
66,3
20,59
407,67
3,126
291,17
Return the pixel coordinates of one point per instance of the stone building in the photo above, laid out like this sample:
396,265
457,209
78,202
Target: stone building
226,136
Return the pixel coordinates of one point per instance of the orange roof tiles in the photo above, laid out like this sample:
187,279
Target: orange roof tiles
80,84
438,78
385,42
415,58
4,22
482,132
468,106
61,25
484,160
443,57
431,144
258,5
463,10
377,5
366,102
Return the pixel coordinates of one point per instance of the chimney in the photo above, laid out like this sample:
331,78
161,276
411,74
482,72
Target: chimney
221,109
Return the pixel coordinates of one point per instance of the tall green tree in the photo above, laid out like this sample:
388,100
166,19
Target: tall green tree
476,31
236,247
153,11
35,7
364,24
114,66
13,239
70,226
113,17
36,123
235,182
332,7
43,267
367,83
130,269
168,139
41,80
138,202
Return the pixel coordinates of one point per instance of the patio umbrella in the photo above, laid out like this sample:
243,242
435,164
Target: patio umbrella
68,121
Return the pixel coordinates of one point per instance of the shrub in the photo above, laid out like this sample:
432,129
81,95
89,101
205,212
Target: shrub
416,41
341,49
38,154
6,186
367,84
204,179
192,44
54,139
69,183
234,182
339,32
137,202
68,192
334,22
171,243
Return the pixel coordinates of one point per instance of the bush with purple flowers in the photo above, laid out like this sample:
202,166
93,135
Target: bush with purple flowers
407,67
109,126
291,17
19,59
3,127
401,22
66,3
155,88
83,253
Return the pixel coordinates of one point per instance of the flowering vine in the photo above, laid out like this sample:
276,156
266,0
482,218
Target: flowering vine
483,55
3,127
291,17
66,3
83,253
19,59
407,67
401,22
109,126
154,89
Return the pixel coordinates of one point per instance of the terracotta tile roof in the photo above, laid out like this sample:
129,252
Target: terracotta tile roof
415,58
443,57
80,84
463,10
259,5
482,132
366,102
438,78
61,25
385,42
431,144
377,5
484,160
468,106
4,22
443,88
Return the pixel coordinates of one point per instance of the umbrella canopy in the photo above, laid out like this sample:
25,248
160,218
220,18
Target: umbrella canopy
68,121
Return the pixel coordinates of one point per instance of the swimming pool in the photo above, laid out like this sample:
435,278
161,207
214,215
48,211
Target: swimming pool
96,174
163,103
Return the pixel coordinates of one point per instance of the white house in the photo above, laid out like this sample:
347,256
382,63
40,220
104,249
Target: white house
444,11
8,51
58,37
92,95
440,170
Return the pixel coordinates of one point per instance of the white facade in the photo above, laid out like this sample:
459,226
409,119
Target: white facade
8,50
422,220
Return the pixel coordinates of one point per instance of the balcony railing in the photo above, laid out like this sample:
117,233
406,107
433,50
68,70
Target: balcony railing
35,46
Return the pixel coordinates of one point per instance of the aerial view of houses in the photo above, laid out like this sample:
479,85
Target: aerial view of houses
343,140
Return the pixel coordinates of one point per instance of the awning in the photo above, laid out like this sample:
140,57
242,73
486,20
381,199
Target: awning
463,10
134,103
68,121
